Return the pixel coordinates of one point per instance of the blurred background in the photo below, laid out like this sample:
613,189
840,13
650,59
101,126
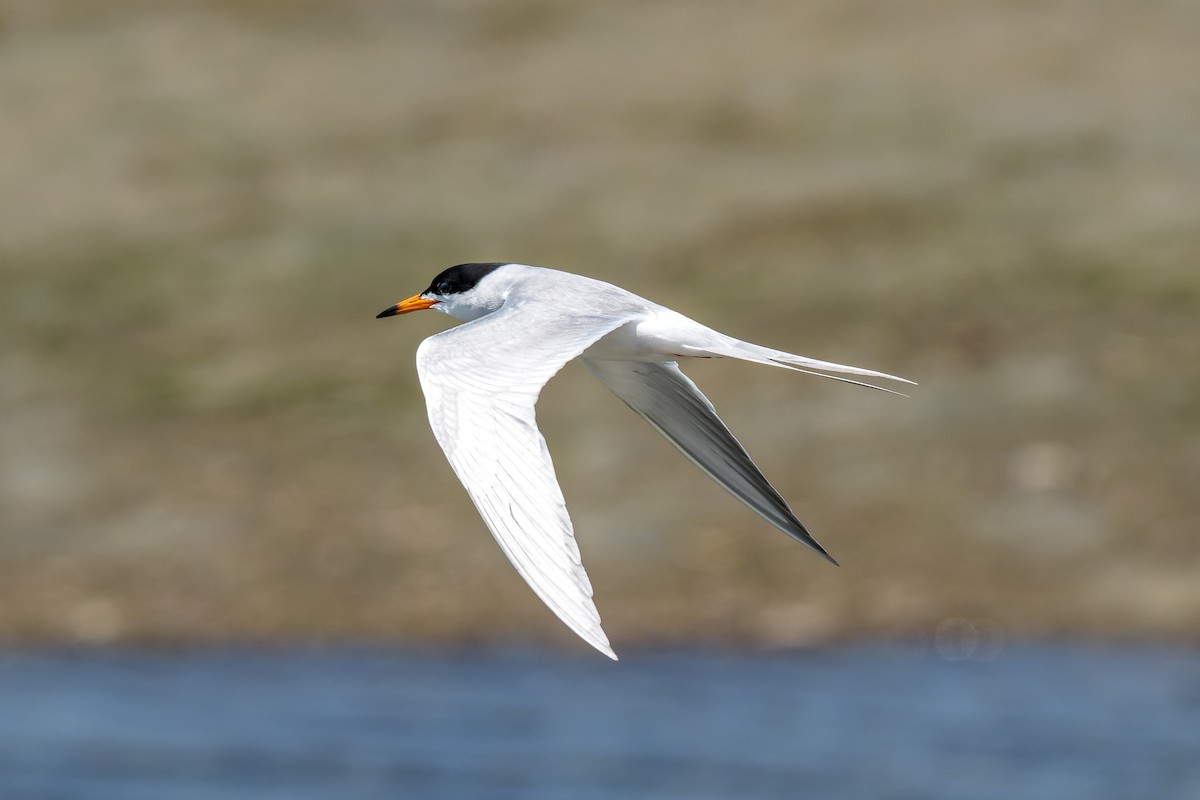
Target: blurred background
216,476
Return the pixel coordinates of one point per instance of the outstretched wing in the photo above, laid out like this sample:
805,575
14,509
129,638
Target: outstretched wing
669,401
481,382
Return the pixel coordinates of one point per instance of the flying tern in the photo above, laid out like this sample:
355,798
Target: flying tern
482,379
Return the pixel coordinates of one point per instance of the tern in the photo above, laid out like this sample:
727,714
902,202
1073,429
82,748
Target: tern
482,380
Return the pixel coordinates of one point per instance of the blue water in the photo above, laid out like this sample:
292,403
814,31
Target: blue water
1051,721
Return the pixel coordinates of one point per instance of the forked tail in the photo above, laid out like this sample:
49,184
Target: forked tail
735,348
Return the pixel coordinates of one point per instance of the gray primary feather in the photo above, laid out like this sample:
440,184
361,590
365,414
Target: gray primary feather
666,398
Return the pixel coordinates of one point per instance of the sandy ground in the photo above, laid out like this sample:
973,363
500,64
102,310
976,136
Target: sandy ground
204,434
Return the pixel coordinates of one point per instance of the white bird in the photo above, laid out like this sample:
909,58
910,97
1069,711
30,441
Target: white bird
482,379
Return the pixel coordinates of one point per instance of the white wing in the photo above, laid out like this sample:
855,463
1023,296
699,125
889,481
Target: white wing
481,381
671,402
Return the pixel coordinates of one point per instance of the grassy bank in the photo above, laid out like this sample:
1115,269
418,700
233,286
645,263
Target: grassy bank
204,433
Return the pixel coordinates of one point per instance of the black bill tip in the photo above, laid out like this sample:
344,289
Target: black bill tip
390,311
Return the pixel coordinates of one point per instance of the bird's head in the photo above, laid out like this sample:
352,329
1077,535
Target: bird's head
465,292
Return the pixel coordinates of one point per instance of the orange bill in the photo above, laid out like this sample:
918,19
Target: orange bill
414,303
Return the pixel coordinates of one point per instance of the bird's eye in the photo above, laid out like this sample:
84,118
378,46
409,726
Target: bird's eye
443,287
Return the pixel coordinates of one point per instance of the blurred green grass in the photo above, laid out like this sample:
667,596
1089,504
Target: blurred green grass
205,434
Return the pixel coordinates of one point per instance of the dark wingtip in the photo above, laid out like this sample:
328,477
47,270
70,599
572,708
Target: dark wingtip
816,547
390,311
801,534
